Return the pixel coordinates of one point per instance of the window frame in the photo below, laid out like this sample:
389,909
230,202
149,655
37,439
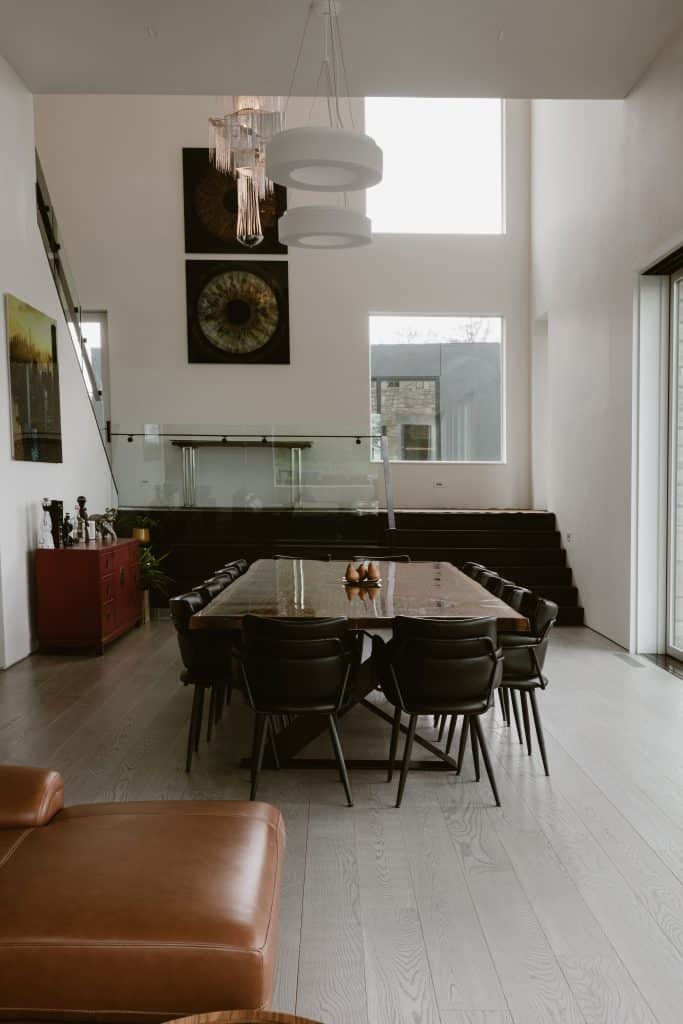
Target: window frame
503,460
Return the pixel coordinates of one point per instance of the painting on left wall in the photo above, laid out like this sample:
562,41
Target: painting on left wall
34,383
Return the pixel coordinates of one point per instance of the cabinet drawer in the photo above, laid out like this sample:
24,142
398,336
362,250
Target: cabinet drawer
108,618
106,589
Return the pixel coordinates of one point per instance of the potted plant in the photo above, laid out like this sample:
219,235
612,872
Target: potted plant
152,577
141,526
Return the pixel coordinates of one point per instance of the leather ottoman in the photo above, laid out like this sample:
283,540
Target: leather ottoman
134,912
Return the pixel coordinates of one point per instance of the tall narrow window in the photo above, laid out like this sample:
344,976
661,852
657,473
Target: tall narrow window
443,166
436,387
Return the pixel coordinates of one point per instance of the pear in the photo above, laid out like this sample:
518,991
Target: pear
373,572
362,571
351,573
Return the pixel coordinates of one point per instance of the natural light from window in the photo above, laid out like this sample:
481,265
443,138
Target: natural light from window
436,387
443,166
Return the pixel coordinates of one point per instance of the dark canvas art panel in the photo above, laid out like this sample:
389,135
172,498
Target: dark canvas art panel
210,199
237,311
34,383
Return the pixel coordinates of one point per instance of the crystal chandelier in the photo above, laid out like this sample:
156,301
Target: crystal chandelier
237,146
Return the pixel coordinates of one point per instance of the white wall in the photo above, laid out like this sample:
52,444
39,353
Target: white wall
25,273
113,167
606,203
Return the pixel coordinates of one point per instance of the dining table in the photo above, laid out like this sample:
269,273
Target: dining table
305,588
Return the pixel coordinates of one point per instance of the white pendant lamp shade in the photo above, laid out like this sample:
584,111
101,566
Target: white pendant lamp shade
324,227
321,159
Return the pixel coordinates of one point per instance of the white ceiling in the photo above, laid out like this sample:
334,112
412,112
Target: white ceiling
513,48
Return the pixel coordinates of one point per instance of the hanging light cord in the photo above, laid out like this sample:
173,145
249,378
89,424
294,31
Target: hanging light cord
298,56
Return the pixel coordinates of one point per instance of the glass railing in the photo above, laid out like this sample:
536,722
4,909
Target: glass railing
184,466
70,303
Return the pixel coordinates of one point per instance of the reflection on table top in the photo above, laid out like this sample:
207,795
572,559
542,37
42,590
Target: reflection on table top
302,588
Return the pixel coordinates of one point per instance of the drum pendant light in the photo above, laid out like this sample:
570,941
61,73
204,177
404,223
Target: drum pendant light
324,227
326,158
322,159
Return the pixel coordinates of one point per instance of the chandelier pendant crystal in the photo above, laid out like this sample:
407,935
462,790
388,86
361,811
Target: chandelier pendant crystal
237,146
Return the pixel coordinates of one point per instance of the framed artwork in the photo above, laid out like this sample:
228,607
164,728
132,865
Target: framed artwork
237,311
210,199
34,383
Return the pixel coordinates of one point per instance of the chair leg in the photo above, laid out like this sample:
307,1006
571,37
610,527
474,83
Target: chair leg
515,712
191,732
393,746
506,704
260,730
501,698
539,730
463,741
200,716
451,733
442,726
212,713
339,754
273,742
525,716
476,727
412,725
475,753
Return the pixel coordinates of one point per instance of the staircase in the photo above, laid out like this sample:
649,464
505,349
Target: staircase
523,546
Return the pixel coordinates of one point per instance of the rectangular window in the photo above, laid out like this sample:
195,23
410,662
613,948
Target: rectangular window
436,387
443,166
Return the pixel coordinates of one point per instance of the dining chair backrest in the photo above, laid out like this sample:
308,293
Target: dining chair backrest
513,595
206,654
478,572
527,661
212,587
241,564
483,577
298,664
444,662
470,568
228,572
495,585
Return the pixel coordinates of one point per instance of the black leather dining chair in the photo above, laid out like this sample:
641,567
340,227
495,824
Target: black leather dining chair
212,587
479,571
298,667
440,667
469,568
241,564
207,665
524,656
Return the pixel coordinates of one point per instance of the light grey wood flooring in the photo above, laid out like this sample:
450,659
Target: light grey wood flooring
566,905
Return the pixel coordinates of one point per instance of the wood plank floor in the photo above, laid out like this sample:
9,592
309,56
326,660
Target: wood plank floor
565,905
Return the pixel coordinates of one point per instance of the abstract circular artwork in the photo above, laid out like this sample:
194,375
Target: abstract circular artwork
238,312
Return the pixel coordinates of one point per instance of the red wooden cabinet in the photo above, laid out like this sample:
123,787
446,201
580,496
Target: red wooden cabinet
87,595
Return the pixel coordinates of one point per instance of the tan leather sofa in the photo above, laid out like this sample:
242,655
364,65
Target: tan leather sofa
133,911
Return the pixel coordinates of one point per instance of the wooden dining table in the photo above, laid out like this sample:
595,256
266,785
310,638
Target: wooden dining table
305,588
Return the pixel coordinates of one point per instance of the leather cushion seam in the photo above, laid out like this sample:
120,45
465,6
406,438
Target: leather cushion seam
15,846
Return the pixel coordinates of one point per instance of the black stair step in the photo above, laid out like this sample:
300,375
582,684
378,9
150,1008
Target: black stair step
570,617
494,558
476,538
471,520
533,575
565,597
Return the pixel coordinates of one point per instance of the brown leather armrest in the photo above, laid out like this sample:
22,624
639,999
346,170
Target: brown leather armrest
29,796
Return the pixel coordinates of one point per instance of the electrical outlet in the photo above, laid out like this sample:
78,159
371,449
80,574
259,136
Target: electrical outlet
438,483
569,538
